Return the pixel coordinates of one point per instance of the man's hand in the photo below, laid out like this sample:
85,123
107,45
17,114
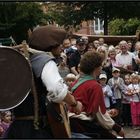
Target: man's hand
78,108
121,133
105,93
137,60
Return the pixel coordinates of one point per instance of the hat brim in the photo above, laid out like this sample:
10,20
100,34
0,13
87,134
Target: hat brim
116,70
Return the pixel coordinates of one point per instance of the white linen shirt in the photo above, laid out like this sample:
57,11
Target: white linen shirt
53,82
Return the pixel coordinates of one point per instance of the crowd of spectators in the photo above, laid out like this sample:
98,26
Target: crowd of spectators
119,77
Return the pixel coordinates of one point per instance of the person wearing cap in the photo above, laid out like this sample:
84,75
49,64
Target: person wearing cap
70,78
114,69
94,118
118,87
106,90
76,56
30,119
69,48
85,38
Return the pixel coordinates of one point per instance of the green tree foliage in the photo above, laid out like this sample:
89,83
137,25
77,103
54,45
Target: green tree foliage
72,13
65,14
18,17
116,26
124,27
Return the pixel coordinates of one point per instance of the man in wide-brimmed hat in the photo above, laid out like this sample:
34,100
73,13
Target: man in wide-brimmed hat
48,39
48,83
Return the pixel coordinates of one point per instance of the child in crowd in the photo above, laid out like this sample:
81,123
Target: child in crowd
106,90
6,119
126,113
117,85
134,92
70,78
1,129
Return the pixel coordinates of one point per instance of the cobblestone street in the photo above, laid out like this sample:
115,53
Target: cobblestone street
131,133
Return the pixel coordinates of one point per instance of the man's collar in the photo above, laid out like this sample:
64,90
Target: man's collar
126,53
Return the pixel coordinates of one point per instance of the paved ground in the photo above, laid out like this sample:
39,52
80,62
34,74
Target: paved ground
131,133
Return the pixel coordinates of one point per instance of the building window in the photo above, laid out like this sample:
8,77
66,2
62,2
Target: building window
101,25
98,26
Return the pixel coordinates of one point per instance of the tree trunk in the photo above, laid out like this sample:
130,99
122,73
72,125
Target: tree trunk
105,26
105,19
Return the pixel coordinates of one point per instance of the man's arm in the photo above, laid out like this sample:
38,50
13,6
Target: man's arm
74,71
57,89
107,122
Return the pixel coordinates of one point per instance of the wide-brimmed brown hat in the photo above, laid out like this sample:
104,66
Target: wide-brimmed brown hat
45,37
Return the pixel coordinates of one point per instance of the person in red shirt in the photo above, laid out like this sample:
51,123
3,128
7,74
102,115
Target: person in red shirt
94,120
